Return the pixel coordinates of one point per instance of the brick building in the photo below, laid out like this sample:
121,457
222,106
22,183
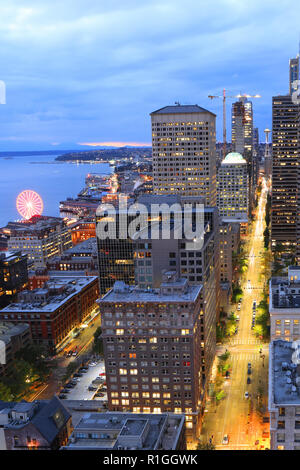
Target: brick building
54,310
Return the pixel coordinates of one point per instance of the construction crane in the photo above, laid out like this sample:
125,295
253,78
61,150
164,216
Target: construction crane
224,97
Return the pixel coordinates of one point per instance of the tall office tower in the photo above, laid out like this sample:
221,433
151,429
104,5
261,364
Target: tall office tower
255,140
115,254
256,153
232,187
242,127
294,73
184,151
152,349
285,179
242,140
267,156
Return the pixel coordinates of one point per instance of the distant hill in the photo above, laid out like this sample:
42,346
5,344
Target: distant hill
105,154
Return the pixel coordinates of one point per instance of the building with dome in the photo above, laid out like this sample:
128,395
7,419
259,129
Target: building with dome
233,188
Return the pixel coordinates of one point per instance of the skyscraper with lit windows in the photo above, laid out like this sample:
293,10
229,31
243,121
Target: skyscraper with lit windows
184,151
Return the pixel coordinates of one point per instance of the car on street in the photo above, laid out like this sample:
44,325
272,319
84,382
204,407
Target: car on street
237,318
71,385
91,388
62,396
239,307
246,395
65,390
249,372
248,381
83,369
254,304
99,394
249,365
225,440
78,374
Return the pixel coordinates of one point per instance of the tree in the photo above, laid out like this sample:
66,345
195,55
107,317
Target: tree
98,342
220,395
224,356
206,446
5,393
266,237
35,356
237,293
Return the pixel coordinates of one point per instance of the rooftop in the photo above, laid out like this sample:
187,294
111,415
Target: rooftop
284,373
123,293
182,109
285,291
9,330
116,430
54,294
87,246
48,416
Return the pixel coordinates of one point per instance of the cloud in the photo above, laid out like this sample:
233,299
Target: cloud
85,71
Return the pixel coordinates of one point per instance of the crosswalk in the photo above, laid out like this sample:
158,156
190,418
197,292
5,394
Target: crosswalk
244,356
239,342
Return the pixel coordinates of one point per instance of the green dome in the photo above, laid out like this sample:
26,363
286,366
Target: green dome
234,157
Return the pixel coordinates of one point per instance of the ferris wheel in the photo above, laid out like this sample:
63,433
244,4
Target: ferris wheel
29,203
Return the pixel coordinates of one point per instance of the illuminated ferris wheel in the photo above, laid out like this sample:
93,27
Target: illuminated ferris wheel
29,203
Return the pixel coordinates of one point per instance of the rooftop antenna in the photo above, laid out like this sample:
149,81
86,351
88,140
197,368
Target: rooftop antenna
177,103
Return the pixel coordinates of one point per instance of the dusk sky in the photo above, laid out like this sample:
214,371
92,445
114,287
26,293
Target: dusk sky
86,71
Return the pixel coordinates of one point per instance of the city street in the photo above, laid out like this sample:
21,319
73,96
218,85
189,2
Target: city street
236,415
83,344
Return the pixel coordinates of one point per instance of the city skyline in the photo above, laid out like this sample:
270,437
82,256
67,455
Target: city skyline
70,81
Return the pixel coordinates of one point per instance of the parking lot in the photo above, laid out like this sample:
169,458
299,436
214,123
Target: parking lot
80,391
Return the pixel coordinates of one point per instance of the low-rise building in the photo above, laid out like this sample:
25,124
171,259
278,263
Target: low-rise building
12,339
128,431
81,257
284,305
54,310
40,237
40,425
284,395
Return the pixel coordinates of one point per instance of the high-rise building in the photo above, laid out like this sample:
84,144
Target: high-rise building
285,178
13,275
267,156
294,74
242,127
242,140
232,187
152,349
115,254
184,151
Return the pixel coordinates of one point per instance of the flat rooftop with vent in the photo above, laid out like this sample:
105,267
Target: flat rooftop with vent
128,431
284,373
284,305
56,292
284,394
